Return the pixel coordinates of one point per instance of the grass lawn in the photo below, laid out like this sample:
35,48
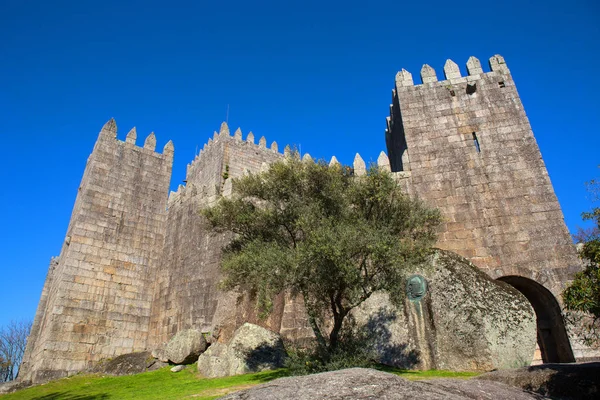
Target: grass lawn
164,384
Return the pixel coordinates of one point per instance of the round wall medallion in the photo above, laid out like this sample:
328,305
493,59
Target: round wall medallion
416,287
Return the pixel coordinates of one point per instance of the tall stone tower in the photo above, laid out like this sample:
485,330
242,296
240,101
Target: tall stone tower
95,303
464,144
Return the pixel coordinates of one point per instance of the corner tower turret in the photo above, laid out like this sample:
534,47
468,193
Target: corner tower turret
97,297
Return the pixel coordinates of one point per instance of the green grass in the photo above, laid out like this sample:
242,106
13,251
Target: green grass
163,384
431,374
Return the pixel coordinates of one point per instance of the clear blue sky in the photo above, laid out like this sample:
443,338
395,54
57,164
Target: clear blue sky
317,74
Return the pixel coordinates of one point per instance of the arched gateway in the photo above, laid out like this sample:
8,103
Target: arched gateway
551,333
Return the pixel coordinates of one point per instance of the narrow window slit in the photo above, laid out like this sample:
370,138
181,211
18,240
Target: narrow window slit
501,84
476,142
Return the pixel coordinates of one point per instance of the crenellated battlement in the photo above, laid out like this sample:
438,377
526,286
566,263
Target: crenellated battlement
449,97
452,73
360,167
109,132
224,137
226,156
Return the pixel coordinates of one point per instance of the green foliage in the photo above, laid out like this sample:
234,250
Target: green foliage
355,350
322,233
310,361
583,295
429,374
226,173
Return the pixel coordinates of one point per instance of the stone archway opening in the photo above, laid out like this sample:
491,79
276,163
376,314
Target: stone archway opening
551,332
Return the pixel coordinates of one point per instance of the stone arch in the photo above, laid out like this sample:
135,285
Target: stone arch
551,332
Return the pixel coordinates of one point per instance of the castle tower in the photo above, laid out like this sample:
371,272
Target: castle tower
187,294
97,297
465,145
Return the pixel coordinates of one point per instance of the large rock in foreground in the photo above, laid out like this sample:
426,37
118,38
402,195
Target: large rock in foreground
360,383
454,317
185,347
564,381
251,349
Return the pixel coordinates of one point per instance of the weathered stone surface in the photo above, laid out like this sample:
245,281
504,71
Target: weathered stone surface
185,347
359,383
464,321
473,155
251,349
501,211
178,368
13,386
160,354
564,381
97,300
126,364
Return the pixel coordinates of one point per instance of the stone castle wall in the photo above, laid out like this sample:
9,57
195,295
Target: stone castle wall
97,301
467,147
136,268
187,293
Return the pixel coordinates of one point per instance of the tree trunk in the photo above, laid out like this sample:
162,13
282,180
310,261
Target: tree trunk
312,319
334,336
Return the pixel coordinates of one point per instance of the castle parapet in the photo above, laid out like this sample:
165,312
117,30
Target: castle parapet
227,156
109,132
452,71
360,168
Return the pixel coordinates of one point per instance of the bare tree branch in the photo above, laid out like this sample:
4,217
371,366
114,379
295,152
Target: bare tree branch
13,339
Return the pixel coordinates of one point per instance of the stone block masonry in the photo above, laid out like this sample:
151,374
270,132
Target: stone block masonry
187,293
97,299
139,265
468,147
464,144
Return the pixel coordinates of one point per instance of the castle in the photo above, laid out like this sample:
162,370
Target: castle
137,264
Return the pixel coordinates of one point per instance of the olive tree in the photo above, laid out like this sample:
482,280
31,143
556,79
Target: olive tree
324,234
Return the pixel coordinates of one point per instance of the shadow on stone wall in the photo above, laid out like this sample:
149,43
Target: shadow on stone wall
377,337
264,357
363,343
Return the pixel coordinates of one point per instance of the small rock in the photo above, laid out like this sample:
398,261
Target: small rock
178,368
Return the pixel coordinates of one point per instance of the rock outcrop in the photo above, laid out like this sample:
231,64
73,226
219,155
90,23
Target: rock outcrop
564,381
454,317
360,383
128,364
251,349
185,347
